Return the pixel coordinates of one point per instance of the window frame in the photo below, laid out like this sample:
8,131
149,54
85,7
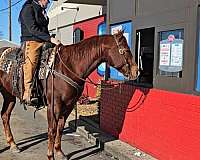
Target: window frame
177,74
186,83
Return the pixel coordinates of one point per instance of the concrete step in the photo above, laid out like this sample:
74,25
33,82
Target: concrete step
118,149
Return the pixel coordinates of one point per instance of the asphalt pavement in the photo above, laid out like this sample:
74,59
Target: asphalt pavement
31,136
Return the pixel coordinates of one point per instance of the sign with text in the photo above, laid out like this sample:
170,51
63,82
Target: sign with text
171,54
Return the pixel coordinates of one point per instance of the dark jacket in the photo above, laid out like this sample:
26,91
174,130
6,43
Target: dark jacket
34,25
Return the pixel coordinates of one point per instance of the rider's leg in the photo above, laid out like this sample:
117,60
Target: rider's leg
32,51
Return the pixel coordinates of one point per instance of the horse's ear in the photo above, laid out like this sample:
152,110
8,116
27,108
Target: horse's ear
120,33
123,30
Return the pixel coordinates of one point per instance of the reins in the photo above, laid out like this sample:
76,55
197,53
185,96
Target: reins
90,81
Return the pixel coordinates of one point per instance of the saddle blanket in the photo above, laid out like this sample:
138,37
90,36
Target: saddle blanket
11,59
6,61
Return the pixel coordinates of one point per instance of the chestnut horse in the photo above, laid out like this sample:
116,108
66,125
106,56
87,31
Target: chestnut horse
73,64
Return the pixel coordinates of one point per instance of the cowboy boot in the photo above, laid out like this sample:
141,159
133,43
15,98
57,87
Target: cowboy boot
32,51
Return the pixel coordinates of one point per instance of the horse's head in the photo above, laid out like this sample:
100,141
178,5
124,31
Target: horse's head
122,58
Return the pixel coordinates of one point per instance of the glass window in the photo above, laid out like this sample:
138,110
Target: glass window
198,54
198,71
101,31
171,53
78,35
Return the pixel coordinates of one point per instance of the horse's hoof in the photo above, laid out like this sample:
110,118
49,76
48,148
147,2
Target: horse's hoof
65,158
62,157
15,149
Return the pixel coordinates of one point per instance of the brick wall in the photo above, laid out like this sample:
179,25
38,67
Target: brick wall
161,123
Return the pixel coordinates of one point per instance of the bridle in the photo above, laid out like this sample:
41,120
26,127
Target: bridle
122,52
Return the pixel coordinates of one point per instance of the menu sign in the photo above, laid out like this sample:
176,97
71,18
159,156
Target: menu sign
171,54
165,54
176,54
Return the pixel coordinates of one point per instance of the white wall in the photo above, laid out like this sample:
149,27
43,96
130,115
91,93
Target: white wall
61,21
5,43
67,35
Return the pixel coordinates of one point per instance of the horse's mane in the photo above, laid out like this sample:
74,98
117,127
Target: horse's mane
83,48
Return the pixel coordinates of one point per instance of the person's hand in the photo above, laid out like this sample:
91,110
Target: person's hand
55,41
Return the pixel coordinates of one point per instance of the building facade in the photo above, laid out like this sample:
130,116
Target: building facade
64,14
160,112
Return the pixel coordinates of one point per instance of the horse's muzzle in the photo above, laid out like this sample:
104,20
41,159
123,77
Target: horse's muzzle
134,77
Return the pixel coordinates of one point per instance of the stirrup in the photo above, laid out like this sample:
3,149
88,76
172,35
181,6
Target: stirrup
32,102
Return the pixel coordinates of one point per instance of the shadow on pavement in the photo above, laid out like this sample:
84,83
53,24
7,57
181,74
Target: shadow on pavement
34,140
97,150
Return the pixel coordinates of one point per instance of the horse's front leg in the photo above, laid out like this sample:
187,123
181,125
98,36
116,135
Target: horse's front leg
8,105
61,125
52,128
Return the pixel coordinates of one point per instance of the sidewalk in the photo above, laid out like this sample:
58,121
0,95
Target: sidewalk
90,130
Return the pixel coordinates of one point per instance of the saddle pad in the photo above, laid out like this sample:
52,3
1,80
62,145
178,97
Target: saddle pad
6,62
45,69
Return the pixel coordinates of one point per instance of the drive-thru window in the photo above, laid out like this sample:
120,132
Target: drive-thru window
145,55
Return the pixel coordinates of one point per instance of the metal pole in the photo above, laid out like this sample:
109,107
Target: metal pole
107,72
9,21
76,116
75,106
57,20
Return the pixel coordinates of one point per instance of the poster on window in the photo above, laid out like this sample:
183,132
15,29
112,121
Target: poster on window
165,54
176,54
171,54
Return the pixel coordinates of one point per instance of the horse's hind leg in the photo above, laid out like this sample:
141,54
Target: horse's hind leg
8,105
